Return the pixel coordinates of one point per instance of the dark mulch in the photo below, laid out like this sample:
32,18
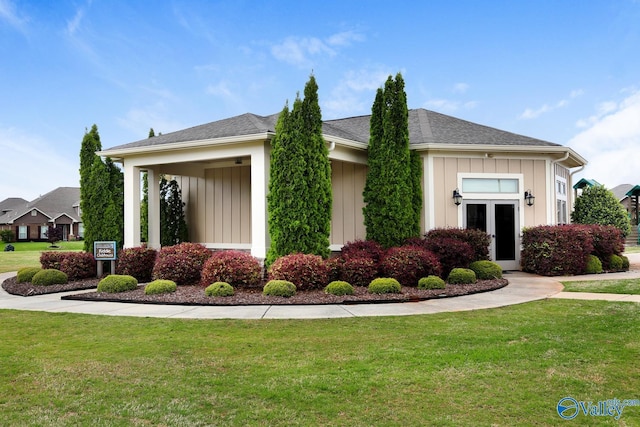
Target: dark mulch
194,295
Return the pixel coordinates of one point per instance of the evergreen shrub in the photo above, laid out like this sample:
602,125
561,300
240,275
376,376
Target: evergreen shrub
78,265
279,288
49,276
461,276
451,252
408,264
615,262
160,287
219,289
116,283
607,240
237,268
593,265
306,271
25,274
334,268
431,282
53,259
556,250
384,285
486,270
359,271
137,262
625,263
339,287
181,263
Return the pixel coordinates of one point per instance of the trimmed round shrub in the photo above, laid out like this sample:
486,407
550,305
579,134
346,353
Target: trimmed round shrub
181,263
78,265
486,270
615,262
625,263
451,252
279,288
431,282
359,271
219,289
160,287
461,276
137,262
25,274
593,266
363,249
477,239
115,283
407,264
384,285
237,268
52,259
49,276
303,270
339,287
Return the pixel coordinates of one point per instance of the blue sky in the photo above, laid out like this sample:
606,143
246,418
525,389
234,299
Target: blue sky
562,71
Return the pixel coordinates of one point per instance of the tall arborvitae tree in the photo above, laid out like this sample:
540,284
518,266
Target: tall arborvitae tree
299,199
90,144
144,202
96,202
114,216
173,225
416,191
389,213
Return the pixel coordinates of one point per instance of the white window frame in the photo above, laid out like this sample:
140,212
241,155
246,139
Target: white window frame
562,215
44,231
23,232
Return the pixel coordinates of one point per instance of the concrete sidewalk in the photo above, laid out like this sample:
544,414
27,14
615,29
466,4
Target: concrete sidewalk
522,288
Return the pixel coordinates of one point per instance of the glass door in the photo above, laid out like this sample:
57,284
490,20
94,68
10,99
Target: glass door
499,219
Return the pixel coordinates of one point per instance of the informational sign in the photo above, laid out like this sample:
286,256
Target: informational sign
104,251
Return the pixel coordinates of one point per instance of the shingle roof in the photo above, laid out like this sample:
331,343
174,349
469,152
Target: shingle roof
53,204
620,191
10,203
425,127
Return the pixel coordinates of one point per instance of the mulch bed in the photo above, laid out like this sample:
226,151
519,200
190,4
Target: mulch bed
194,295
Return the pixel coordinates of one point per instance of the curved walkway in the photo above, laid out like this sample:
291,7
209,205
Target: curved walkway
522,288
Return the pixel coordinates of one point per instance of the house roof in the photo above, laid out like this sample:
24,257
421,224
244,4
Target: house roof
10,203
425,127
620,191
54,204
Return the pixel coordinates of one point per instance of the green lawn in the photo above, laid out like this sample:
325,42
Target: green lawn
499,367
620,286
27,254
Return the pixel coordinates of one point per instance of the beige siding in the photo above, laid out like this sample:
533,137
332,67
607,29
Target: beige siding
347,221
218,206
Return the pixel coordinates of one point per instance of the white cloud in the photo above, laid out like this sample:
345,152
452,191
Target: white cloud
533,113
300,51
140,120
460,88
449,105
355,92
36,167
10,14
611,142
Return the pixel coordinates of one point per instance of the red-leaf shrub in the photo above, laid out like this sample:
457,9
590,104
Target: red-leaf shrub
407,264
303,270
181,263
49,260
556,250
137,262
334,266
452,253
363,249
237,268
607,240
78,265
359,271
477,239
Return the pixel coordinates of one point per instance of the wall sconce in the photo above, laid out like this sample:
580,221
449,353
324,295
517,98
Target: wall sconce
529,198
457,197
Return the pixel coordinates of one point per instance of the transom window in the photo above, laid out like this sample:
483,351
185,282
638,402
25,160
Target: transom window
489,185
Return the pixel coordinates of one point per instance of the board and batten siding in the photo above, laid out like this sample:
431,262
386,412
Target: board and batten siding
444,178
347,184
218,206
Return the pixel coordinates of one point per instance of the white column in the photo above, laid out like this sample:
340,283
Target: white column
153,219
131,206
259,185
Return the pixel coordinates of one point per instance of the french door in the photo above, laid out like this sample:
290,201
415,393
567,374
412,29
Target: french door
500,219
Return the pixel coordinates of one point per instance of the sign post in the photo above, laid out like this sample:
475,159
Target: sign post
105,251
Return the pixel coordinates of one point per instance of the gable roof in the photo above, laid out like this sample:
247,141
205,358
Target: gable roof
60,201
425,127
10,203
620,191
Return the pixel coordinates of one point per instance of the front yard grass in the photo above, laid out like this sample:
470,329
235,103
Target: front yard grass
27,254
615,286
502,367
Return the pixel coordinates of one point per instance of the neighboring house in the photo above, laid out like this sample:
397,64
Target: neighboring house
223,170
627,196
30,220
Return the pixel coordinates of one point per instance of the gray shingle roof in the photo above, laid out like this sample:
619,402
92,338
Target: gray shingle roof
620,191
10,203
60,201
425,127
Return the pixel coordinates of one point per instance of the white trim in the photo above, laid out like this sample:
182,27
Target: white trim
336,248
235,246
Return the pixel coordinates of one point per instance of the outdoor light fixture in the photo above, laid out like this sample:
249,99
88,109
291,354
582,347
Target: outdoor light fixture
529,198
457,197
